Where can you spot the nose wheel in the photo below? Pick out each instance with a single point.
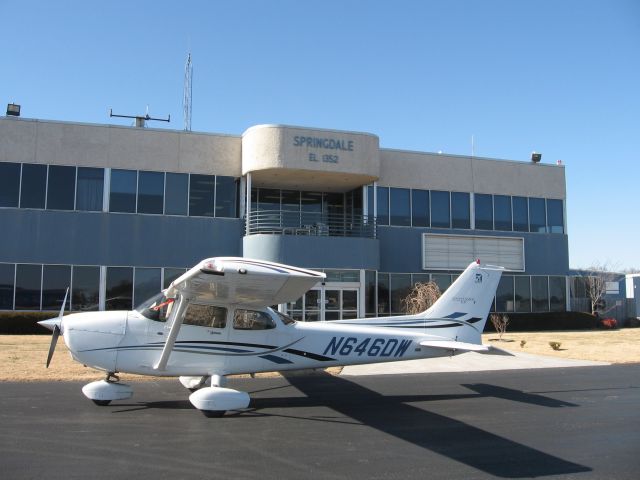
(103, 392)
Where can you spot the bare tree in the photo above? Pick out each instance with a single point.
(595, 281)
(500, 323)
(421, 297)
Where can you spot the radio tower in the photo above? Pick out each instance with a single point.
(186, 99)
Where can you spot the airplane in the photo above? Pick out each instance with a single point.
(215, 320)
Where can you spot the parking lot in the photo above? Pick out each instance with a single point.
(567, 422)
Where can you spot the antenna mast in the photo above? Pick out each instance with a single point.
(186, 99)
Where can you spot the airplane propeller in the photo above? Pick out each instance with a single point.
(55, 324)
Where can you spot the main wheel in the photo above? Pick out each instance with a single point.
(213, 413)
(101, 403)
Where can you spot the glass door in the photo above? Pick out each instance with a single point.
(325, 303)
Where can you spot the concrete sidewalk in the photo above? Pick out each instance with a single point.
(468, 362)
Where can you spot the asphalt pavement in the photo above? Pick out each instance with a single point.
(562, 423)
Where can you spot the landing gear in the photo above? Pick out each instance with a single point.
(104, 391)
(215, 400)
(194, 383)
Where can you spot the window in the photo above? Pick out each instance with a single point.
(9, 185)
(146, 285)
(420, 208)
(383, 294)
(205, 316)
(286, 319)
(370, 192)
(557, 294)
(7, 276)
(442, 280)
(484, 211)
(150, 192)
(55, 281)
(170, 274)
(34, 186)
(540, 294)
(440, 209)
(28, 283)
(62, 188)
(504, 295)
(555, 216)
(201, 195)
(90, 188)
(252, 320)
(123, 191)
(399, 206)
(400, 286)
(226, 196)
(502, 212)
(370, 293)
(157, 308)
(85, 292)
(460, 211)
(119, 291)
(383, 205)
(176, 194)
(520, 214)
(537, 215)
(523, 294)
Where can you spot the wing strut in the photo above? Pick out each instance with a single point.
(173, 333)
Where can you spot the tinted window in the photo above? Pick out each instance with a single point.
(226, 196)
(370, 192)
(150, 192)
(399, 206)
(55, 281)
(123, 191)
(119, 291)
(176, 194)
(502, 211)
(460, 211)
(252, 320)
(484, 211)
(147, 284)
(420, 208)
(290, 200)
(90, 188)
(9, 184)
(311, 201)
(557, 294)
(540, 294)
(205, 316)
(537, 215)
(201, 193)
(383, 293)
(383, 205)
(520, 214)
(7, 272)
(400, 284)
(86, 288)
(28, 278)
(523, 294)
(170, 274)
(443, 281)
(440, 213)
(370, 292)
(504, 295)
(555, 216)
(34, 185)
(62, 188)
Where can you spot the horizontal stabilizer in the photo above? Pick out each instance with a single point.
(453, 345)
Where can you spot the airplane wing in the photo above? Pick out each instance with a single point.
(244, 281)
(453, 345)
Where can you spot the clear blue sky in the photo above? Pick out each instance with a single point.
(558, 77)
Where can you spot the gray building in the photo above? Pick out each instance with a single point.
(118, 212)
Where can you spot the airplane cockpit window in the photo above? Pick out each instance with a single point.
(205, 316)
(252, 320)
(157, 308)
(286, 319)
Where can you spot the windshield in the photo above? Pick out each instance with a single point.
(156, 308)
(286, 319)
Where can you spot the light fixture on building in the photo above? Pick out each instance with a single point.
(13, 110)
(536, 157)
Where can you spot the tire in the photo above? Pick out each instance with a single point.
(101, 403)
(213, 413)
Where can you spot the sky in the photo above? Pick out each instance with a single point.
(558, 77)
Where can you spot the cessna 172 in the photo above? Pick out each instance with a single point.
(215, 321)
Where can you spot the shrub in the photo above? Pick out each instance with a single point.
(24, 323)
(555, 345)
(532, 322)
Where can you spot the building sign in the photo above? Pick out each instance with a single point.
(334, 144)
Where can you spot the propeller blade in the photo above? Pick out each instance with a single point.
(54, 340)
(64, 302)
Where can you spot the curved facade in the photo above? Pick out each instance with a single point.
(118, 212)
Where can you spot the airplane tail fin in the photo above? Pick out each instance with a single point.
(467, 301)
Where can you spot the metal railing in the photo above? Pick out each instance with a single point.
(310, 223)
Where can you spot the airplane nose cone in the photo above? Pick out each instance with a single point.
(51, 323)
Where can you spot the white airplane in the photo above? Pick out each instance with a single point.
(215, 321)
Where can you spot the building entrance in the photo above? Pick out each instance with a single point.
(326, 302)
